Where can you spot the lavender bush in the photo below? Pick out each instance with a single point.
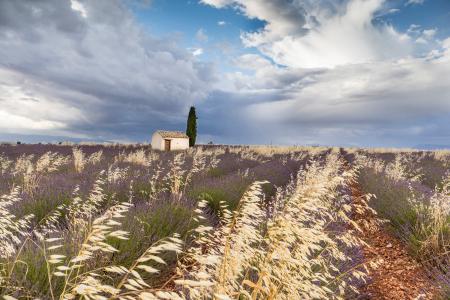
(127, 222)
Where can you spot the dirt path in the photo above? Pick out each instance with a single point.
(393, 274)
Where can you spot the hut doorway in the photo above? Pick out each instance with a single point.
(167, 145)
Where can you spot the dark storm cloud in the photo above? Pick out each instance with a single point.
(87, 70)
(381, 103)
(26, 18)
(98, 61)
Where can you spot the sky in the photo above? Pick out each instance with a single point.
(290, 72)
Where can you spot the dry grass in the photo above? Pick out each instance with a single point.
(418, 214)
(298, 252)
(292, 241)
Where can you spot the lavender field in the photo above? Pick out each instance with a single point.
(214, 222)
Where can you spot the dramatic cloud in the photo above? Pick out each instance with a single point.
(315, 72)
(369, 104)
(343, 79)
(322, 33)
(364, 94)
(91, 70)
(282, 17)
(29, 107)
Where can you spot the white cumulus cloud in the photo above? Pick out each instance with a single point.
(339, 77)
(322, 33)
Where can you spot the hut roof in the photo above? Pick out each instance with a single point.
(172, 134)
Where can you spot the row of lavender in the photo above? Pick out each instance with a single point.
(413, 194)
(48, 189)
(219, 223)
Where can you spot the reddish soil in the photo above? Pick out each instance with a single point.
(393, 273)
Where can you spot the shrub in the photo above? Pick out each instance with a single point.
(126, 223)
(417, 214)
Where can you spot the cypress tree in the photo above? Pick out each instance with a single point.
(191, 129)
